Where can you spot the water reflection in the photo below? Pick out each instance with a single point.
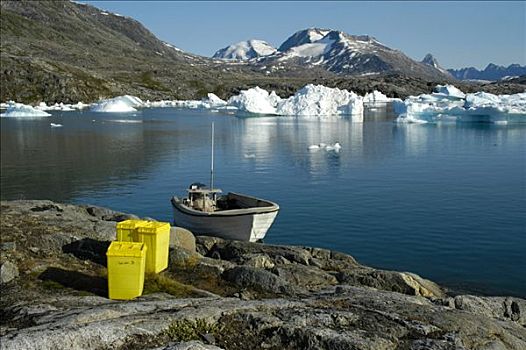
(417, 193)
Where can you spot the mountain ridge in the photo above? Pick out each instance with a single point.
(492, 72)
(345, 54)
(62, 51)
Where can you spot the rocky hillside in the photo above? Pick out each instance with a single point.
(62, 51)
(219, 294)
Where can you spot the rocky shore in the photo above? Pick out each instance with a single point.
(219, 294)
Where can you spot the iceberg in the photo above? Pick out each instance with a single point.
(448, 105)
(120, 104)
(319, 100)
(255, 100)
(449, 91)
(56, 107)
(375, 98)
(21, 110)
(212, 101)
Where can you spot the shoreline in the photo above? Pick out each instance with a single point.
(215, 290)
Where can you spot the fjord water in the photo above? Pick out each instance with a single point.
(446, 201)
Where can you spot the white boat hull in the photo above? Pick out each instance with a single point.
(249, 224)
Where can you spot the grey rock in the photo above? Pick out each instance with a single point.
(259, 261)
(213, 267)
(204, 244)
(108, 214)
(366, 309)
(401, 282)
(257, 279)
(180, 237)
(304, 276)
(504, 308)
(8, 272)
(238, 251)
(182, 258)
(190, 345)
(8, 246)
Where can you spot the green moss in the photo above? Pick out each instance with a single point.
(186, 330)
(52, 285)
(156, 283)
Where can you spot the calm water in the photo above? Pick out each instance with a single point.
(445, 201)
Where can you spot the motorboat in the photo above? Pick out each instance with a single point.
(232, 216)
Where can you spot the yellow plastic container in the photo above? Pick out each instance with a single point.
(126, 266)
(127, 230)
(156, 236)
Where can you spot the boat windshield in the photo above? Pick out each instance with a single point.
(203, 199)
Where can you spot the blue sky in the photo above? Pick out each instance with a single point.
(458, 34)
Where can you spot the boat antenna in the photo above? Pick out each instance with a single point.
(212, 165)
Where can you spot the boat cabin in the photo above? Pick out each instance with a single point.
(202, 198)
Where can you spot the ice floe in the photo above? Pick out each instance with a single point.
(450, 104)
(120, 104)
(21, 110)
(54, 125)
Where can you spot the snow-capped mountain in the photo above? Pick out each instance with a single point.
(343, 54)
(306, 36)
(430, 60)
(491, 72)
(246, 50)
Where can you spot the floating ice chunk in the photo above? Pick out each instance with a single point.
(120, 104)
(212, 101)
(255, 100)
(477, 107)
(375, 98)
(336, 147)
(331, 147)
(22, 110)
(126, 121)
(449, 91)
(80, 105)
(250, 155)
(318, 100)
(53, 125)
(486, 107)
(131, 100)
